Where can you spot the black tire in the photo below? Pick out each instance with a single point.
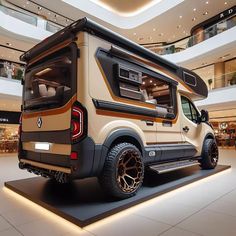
(210, 154)
(123, 171)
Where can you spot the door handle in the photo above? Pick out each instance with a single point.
(149, 122)
(186, 129)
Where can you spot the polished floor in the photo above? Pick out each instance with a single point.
(207, 207)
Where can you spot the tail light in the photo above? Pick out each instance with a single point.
(78, 123)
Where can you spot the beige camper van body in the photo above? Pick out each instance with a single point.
(88, 101)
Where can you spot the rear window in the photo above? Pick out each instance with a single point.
(49, 84)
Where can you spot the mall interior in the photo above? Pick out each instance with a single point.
(199, 35)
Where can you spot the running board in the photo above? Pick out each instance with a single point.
(167, 167)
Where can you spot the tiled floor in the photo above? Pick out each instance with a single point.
(207, 207)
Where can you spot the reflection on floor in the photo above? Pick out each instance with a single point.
(207, 207)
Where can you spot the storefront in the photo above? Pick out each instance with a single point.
(9, 124)
(213, 26)
(225, 133)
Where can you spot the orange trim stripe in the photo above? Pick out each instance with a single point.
(55, 111)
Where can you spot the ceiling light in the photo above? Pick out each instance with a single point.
(161, 34)
(180, 17)
(24, 6)
(194, 18)
(49, 13)
(155, 84)
(207, 2)
(226, 3)
(134, 34)
(67, 20)
(184, 32)
(194, 9)
(8, 44)
(178, 26)
(154, 29)
(27, 2)
(150, 81)
(143, 82)
(205, 13)
(39, 8)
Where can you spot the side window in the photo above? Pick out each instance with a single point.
(137, 85)
(189, 109)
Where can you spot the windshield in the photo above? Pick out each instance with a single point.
(48, 85)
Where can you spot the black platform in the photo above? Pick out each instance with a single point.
(82, 202)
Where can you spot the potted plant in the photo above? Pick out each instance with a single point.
(210, 83)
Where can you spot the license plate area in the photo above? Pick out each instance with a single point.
(42, 146)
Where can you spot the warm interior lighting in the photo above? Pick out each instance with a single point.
(43, 71)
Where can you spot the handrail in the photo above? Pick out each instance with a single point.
(190, 41)
(224, 80)
(30, 18)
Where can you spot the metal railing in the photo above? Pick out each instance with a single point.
(225, 80)
(195, 39)
(31, 19)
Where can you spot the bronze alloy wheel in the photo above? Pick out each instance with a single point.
(213, 153)
(129, 171)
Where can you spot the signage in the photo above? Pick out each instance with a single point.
(227, 13)
(9, 117)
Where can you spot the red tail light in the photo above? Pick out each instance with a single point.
(77, 123)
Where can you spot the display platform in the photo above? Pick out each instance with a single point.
(82, 202)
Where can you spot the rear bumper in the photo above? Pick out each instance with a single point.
(89, 162)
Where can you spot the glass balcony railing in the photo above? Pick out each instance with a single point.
(11, 70)
(225, 80)
(195, 39)
(31, 19)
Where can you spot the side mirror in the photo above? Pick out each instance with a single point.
(204, 116)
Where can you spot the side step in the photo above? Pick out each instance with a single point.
(167, 167)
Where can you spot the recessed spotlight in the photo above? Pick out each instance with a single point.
(161, 34)
(226, 3)
(173, 36)
(27, 2)
(39, 8)
(24, 6)
(8, 44)
(180, 17)
(143, 82)
(49, 13)
(194, 18)
(155, 84)
(184, 32)
(134, 33)
(205, 13)
(154, 29)
(67, 20)
(178, 26)
(150, 81)
(207, 2)
(150, 37)
(194, 9)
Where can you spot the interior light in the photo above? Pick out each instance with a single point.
(161, 34)
(194, 18)
(180, 17)
(150, 81)
(8, 44)
(226, 3)
(134, 33)
(43, 71)
(205, 13)
(154, 29)
(194, 9)
(178, 26)
(27, 2)
(39, 8)
(207, 2)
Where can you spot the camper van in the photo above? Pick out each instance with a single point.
(96, 104)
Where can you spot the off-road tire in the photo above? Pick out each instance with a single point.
(123, 171)
(210, 154)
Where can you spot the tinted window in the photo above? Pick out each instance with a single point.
(189, 109)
